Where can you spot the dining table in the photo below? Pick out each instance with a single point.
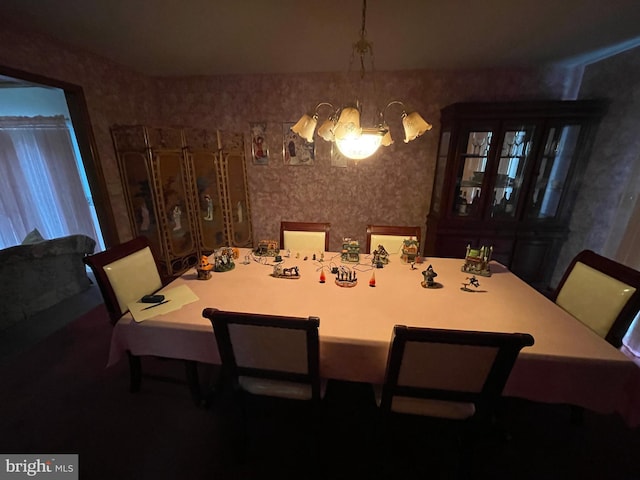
(568, 363)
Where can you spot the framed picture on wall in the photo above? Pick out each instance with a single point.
(259, 145)
(296, 150)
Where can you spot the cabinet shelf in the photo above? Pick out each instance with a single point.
(520, 203)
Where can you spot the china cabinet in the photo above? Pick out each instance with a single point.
(506, 176)
(185, 190)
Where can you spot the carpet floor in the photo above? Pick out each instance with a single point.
(59, 397)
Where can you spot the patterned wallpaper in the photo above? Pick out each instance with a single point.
(393, 187)
(603, 208)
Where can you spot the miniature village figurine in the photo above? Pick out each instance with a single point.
(476, 261)
(380, 257)
(346, 277)
(471, 281)
(267, 248)
(223, 260)
(204, 269)
(350, 251)
(291, 273)
(429, 274)
(410, 250)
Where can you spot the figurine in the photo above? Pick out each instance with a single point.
(290, 273)
(350, 251)
(429, 274)
(410, 247)
(204, 269)
(267, 248)
(380, 257)
(476, 261)
(346, 277)
(223, 260)
(471, 281)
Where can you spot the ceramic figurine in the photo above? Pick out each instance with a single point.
(266, 248)
(350, 251)
(380, 257)
(410, 248)
(291, 273)
(429, 274)
(476, 261)
(346, 277)
(223, 260)
(471, 281)
(204, 269)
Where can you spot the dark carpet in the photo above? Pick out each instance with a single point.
(58, 397)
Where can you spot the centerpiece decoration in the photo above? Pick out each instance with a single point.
(346, 277)
(291, 273)
(410, 250)
(223, 259)
(204, 269)
(350, 251)
(267, 248)
(380, 257)
(476, 261)
(429, 274)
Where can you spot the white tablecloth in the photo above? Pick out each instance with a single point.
(568, 363)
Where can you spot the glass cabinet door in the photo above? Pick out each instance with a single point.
(560, 143)
(512, 159)
(471, 173)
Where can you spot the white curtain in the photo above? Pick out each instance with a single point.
(40, 186)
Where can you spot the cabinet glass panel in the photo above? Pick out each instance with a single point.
(440, 170)
(473, 165)
(559, 148)
(513, 156)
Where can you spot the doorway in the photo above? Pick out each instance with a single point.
(28, 95)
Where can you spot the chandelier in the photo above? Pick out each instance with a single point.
(343, 126)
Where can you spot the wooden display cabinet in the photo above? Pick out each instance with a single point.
(507, 176)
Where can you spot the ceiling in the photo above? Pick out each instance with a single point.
(211, 37)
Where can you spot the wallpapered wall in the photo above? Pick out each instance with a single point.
(394, 187)
(603, 208)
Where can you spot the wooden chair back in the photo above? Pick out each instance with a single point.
(601, 293)
(390, 236)
(125, 273)
(451, 374)
(269, 355)
(306, 237)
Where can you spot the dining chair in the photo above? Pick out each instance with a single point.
(452, 375)
(304, 236)
(601, 293)
(125, 273)
(269, 356)
(390, 236)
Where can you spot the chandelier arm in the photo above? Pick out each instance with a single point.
(322, 104)
(343, 126)
(393, 102)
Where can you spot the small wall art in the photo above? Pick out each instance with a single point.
(259, 145)
(296, 150)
